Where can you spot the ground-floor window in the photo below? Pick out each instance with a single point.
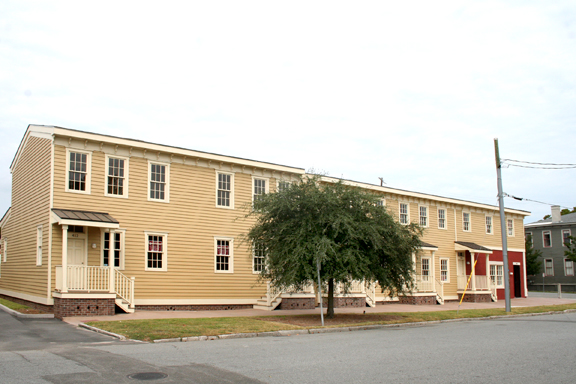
(258, 254)
(548, 267)
(568, 267)
(444, 272)
(224, 253)
(156, 251)
(497, 274)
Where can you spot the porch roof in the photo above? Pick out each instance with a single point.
(472, 247)
(84, 218)
(428, 246)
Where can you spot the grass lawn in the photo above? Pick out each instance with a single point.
(13, 305)
(149, 330)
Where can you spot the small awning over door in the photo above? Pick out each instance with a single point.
(428, 246)
(84, 218)
(471, 247)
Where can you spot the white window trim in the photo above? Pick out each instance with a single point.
(231, 190)
(122, 248)
(383, 201)
(543, 242)
(429, 267)
(126, 173)
(496, 263)
(562, 234)
(447, 270)
(531, 237)
(508, 228)
(167, 182)
(5, 250)
(231, 260)
(266, 189)
(565, 260)
(254, 272)
(407, 212)
(88, 171)
(552, 263)
(445, 227)
(164, 251)
(469, 222)
(39, 246)
(278, 181)
(491, 224)
(427, 216)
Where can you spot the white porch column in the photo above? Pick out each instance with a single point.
(488, 269)
(472, 271)
(111, 260)
(64, 258)
(433, 253)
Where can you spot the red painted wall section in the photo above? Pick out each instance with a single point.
(513, 257)
(480, 265)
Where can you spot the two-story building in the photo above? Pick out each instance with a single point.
(98, 221)
(549, 236)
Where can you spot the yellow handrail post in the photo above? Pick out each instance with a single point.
(468, 282)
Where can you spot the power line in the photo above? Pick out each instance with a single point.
(533, 201)
(537, 165)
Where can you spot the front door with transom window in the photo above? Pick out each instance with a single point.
(76, 246)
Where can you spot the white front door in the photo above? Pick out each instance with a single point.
(76, 251)
(461, 266)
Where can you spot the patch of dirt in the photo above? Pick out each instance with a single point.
(339, 319)
(31, 311)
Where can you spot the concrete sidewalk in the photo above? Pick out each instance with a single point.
(451, 306)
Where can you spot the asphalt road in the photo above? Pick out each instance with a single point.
(518, 350)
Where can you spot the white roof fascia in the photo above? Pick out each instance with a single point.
(5, 218)
(44, 132)
(422, 195)
(168, 149)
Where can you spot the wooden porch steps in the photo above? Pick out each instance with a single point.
(124, 305)
(263, 304)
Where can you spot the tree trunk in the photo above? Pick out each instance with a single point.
(330, 312)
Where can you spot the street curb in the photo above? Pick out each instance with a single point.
(296, 332)
(27, 315)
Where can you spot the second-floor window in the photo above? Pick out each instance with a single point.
(283, 185)
(489, 225)
(78, 173)
(442, 219)
(404, 216)
(159, 178)
(424, 216)
(547, 239)
(466, 221)
(116, 173)
(565, 236)
(259, 188)
(510, 226)
(224, 192)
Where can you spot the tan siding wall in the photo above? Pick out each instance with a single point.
(191, 221)
(30, 208)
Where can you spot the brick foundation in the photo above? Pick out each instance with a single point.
(475, 298)
(83, 307)
(347, 302)
(417, 300)
(193, 307)
(298, 303)
(31, 304)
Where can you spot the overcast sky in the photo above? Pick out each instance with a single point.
(414, 92)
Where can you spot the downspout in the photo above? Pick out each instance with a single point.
(50, 234)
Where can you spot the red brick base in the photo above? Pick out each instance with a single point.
(193, 307)
(476, 298)
(417, 300)
(347, 302)
(83, 307)
(31, 304)
(298, 303)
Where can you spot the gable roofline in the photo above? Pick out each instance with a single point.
(567, 219)
(5, 218)
(420, 195)
(98, 137)
(35, 131)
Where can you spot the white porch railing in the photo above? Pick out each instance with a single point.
(96, 279)
(481, 283)
(423, 283)
(439, 288)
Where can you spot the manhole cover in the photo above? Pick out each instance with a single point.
(148, 376)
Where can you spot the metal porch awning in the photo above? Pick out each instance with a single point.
(471, 247)
(84, 218)
(427, 246)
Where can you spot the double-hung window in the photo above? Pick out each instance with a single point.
(381, 202)
(425, 269)
(565, 236)
(404, 213)
(258, 257)
(529, 238)
(117, 176)
(466, 227)
(39, 245)
(224, 190)
(224, 253)
(444, 272)
(489, 228)
(156, 251)
(497, 274)
(78, 171)
(259, 187)
(423, 216)
(116, 259)
(548, 267)
(283, 185)
(547, 239)
(510, 226)
(568, 267)
(441, 218)
(158, 182)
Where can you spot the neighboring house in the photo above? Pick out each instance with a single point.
(98, 221)
(549, 236)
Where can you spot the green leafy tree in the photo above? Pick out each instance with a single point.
(533, 263)
(340, 227)
(571, 251)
